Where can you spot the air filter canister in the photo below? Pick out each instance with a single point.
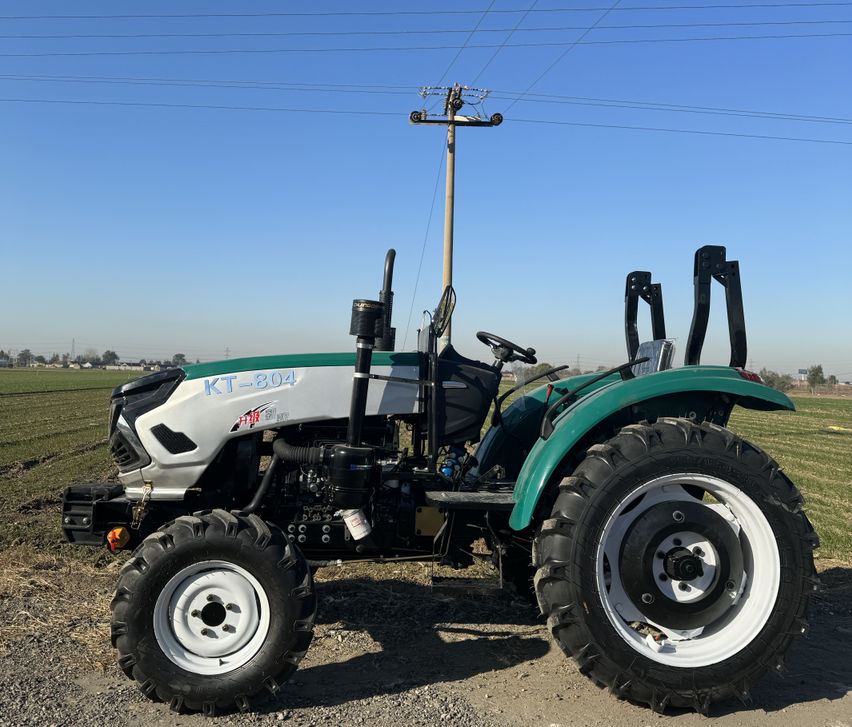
(367, 318)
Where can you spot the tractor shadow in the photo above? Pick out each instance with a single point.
(385, 637)
(379, 637)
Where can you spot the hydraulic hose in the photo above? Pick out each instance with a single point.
(302, 455)
(264, 486)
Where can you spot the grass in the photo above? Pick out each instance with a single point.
(52, 435)
(814, 448)
(51, 440)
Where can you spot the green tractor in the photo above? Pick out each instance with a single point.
(671, 559)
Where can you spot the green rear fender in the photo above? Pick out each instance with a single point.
(706, 392)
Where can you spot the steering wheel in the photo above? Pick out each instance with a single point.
(506, 350)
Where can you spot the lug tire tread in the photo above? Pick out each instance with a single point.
(564, 539)
(199, 536)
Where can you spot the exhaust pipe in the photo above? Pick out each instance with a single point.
(388, 337)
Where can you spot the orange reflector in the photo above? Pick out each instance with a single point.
(118, 537)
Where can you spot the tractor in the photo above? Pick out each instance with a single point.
(671, 559)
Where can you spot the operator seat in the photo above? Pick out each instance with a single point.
(465, 390)
(660, 354)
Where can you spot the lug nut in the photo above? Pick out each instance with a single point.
(677, 541)
(647, 598)
(731, 586)
(209, 596)
(678, 516)
(204, 632)
(661, 554)
(697, 551)
(229, 606)
(195, 613)
(663, 577)
(225, 627)
(683, 587)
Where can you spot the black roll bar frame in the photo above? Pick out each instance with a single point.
(711, 264)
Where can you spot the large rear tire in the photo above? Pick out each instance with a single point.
(677, 565)
(213, 610)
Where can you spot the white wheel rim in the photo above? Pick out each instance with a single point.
(212, 617)
(753, 604)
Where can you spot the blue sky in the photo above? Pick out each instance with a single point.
(135, 223)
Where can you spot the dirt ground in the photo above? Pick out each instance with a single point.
(385, 652)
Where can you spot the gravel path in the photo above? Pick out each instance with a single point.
(386, 652)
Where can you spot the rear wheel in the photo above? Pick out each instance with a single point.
(676, 567)
(213, 610)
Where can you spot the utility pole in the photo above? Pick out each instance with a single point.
(453, 102)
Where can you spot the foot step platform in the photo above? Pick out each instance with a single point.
(466, 586)
(500, 500)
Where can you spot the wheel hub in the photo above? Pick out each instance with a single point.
(678, 562)
(211, 617)
(681, 564)
(213, 614)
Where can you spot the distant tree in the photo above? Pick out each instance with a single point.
(815, 377)
(54, 358)
(66, 357)
(92, 356)
(178, 359)
(5, 357)
(198, 360)
(602, 368)
(774, 380)
(832, 380)
(568, 373)
(40, 359)
(25, 357)
(110, 358)
(143, 362)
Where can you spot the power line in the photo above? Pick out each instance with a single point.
(216, 83)
(406, 90)
(413, 12)
(647, 106)
(417, 48)
(467, 40)
(247, 85)
(683, 131)
(423, 251)
(200, 106)
(314, 33)
(567, 50)
(396, 114)
(505, 40)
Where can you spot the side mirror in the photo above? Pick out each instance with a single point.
(442, 314)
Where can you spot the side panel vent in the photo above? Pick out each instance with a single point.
(175, 442)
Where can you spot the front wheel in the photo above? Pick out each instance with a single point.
(677, 564)
(213, 610)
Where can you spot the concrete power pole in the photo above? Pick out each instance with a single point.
(453, 101)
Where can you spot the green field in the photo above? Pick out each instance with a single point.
(53, 434)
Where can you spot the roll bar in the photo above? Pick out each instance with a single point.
(710, 264)
(639, 285)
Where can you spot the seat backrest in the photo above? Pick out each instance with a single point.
(660, 354)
